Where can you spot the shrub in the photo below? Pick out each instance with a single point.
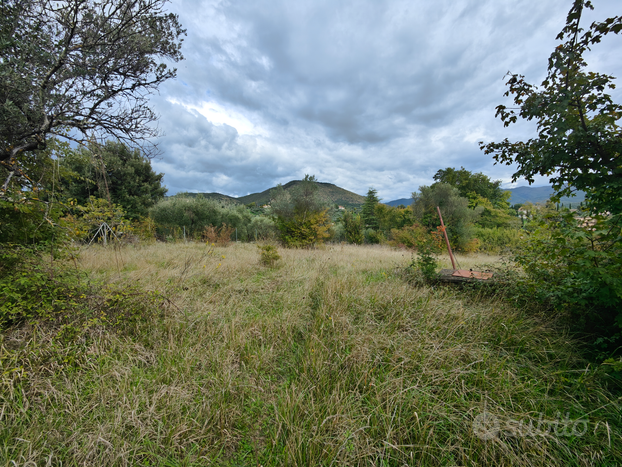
(179, 213)
(219, 236)
(303, 232)
(352, 227)
(457, 216)
(426, 263)
(577, 269)
(472, 246)
(262, 228)
(29, 217)
(91, 220)
(34, 289)
(300, 214)
(144, 229)
(268, 255)
(374, 237)
(337, 233)
(496, 240)
(410, 236)
(423, 268)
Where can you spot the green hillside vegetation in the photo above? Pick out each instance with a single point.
(214, 196)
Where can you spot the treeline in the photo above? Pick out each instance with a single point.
(103, 192)
(473, 206)
(476, 211)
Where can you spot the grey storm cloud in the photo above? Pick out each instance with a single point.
(365, 93)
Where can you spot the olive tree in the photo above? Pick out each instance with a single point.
(80, 69)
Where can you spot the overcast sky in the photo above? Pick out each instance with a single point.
(359, 93)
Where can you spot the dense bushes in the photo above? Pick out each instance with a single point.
(34, 288)
(262, 228)
(353, 227)
(575, 266)
(90, 221)
(193, 214)
(304, 231)
(497, 239)
(412, 237)
(457, 215)
(29, 218)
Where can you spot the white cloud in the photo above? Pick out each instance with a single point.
(221, 115)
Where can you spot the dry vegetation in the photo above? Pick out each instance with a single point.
(329, 358)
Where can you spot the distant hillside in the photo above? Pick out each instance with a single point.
(523, 194)
(539, 194)
(396, 202)
(332, 193)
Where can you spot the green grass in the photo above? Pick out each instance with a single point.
(329, 358)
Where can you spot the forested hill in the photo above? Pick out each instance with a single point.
(332, 193)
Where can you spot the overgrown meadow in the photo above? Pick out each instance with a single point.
(194, 354)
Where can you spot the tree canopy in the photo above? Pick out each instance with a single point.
(572, 264)
(194, 214)
(115, 172)
(473, 185)
(78, 68)
(300, 213)
(579, 141)
(368, 211)
(458, 218)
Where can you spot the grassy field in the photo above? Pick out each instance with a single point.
(330, 358)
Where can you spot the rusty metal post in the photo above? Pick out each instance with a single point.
(451, 255)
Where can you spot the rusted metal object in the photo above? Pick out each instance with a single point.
(463, 275)
(470, 274)
(451, 256)
(455, 274)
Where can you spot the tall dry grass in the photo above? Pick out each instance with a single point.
(330, 358)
